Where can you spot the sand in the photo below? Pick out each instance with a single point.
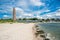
(16, 31)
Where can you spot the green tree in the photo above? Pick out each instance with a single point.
(24, 19)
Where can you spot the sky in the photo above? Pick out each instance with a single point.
(30, 8)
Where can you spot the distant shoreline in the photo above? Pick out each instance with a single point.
(27, 22)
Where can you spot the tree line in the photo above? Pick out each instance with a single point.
(40, 20)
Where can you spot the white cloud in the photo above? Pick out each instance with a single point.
(3, 11)
(39, 17)
(57, 13)
(19, 10)
(22, 13)
(6, 9)
(36, 2)
(49, 15)
(27, 14)
(22, 4)
(58, 9)
(36, 12)
(47, 10)
(52, 14)
(19, 17)
(5, 16)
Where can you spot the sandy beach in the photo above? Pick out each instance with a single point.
(16, 31)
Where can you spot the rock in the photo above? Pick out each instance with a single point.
(40, 32)
(46, 39)
(43, 36)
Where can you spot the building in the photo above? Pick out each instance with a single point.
(14, 14)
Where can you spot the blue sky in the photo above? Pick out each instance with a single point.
(30, 8)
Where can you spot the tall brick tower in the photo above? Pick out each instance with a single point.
(14, 14)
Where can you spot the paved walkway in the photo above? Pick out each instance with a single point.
(16, 31)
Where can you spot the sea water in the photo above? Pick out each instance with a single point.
(51, 28)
